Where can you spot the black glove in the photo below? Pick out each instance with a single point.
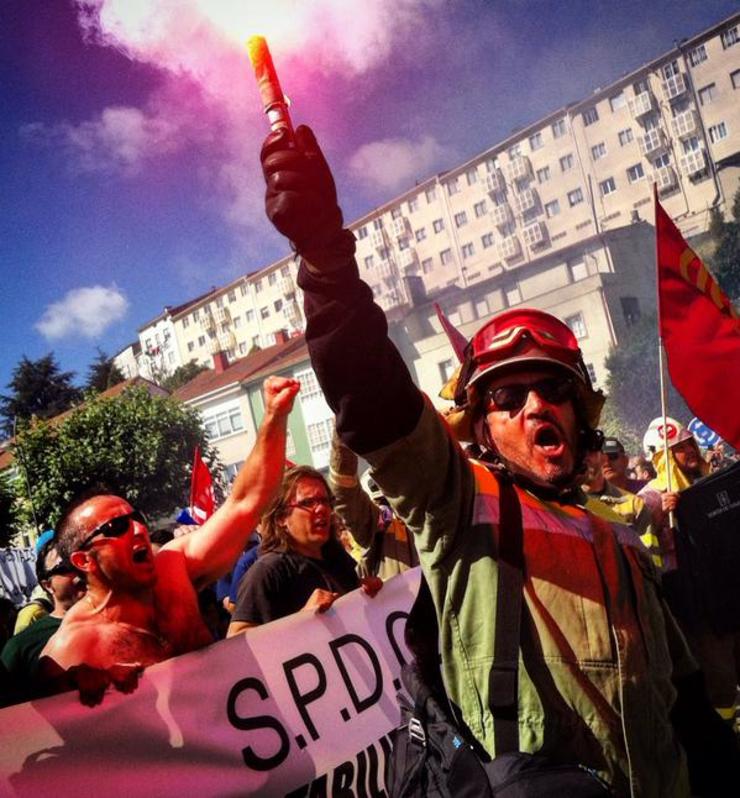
(301, 198)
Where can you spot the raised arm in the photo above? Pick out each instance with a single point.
(212, 550)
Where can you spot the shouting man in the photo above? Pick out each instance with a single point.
(141, 608)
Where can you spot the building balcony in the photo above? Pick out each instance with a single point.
(518, 168)
(377, 239)
(641, 104)
(386, 269)
(693, 163)
(653, 142)
(206, 321)
(226, 341)
(535, 235)
(287, 287)
(400, 227)
(665, 178)
(510, 247)
(408, 258)
(501, 214)
(292, 313)
(223, 315)
(525, 200)
(494, 182)
(685, 124)
(674, 86)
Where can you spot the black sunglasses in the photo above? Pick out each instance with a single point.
(554, 390)
(310, 504)
(114, 528)
(60, 569)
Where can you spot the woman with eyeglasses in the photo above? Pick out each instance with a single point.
(302, 564)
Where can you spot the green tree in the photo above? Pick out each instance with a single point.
(103, 373)
(38, 388)
(10, 515)
(139, 446)
(716, 225)
(725, 262)
(182, 374)
(633, 387)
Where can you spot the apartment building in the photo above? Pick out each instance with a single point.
(549, 189)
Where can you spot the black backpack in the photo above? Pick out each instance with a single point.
(435, 756)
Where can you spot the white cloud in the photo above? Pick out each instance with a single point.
(392, 163)
(119, 139)
(83, 311)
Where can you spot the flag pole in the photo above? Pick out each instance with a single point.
(661, 361)
(192, 479)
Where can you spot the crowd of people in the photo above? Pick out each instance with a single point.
(610, 674)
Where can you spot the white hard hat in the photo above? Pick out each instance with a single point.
(661, 430)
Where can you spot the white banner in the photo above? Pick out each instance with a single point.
(300, 707)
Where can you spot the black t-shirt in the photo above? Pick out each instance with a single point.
(280, 583)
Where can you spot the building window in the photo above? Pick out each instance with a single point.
(201, 340)
(481, 308)
(453, 186)
(285, 271)
(598, 151)
(730, 37)
(735, 79)
(630, 309)
(635, 173)
(670, 70)
(383, 253)
(536, 142)
(567, 162)
(265, 313)
(487, 240)
(185, 323)
(559, 128)
(717, 132)
(319, 435)
(591, 373)
(691, 145)
(438, 225)
(577, 325)
(431, 193)
(427, 265)
(224, 327)
(309, 384)
(403, 243)
(446, 370)
(707, 94)
(589, 116)
(445, 256)
(191, 346)
(278, 305)
(480, 209)
(577, 270)
(369, 262)
(472, 176)
(232, 296)
(271, 278)
(641, 86)
(226, 422)
(396, 213)
(249, 316)
(255, 342)
(237, 321)
(625, 136)
(196, 315)
(220, 302)
(575, 197)
(257, 286)
(543, 175)
(461, 219)
(697, 55)
(662, 160)
(617, 101)
(413, 204)
(420, 234)
(243, 348)
(607, 186)
(378, 224)
(552, 209)
(243, 289)
(361, 232)
(468, 250)
(514, 151)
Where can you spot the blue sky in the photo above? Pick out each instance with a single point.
(130, 131)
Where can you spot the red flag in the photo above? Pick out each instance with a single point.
(202, 503)
(457, 340)
(700, 330)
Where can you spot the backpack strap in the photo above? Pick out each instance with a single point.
(503, 684)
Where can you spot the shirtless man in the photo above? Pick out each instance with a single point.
(141, 608)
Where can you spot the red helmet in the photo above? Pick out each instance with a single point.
(526, 336)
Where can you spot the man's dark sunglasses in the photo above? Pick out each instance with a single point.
(60, 569)
(114, 528)
(554, 390)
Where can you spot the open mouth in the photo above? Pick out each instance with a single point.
(141, 555)
(548, 438)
